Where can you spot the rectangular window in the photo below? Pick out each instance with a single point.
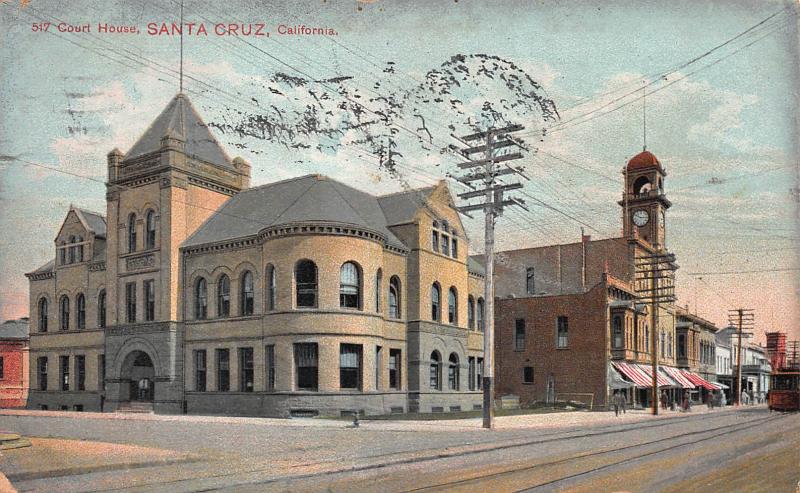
(527, 374)
(101, 371)
(150, 300)
(270, 354)
(454, 248)
(130, 302)
(471, 361)
(64, 367)
(200, 370)
(479, 376)
(350, 366)
(435, 241)
(80, 371)
(378, 366)
(41, 369)
(2, 368)
(519, 334)
(562, 332)
(223, 370)
(306, 369)
(245, 369)
(394, 369)
(445, 245)
(530, 285)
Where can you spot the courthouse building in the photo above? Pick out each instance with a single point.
(196, 293)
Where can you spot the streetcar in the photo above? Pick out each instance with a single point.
(784, 391)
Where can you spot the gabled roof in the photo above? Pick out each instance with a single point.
(15, 329)
(179, 119)
(400, 208)
(48, 267)
(307, 199)
(93, 221)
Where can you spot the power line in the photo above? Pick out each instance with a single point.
(737, 272)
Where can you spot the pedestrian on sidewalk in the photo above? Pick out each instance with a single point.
(615, 401)
(663, 399)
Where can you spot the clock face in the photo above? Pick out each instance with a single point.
(641, 217)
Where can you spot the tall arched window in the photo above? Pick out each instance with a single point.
(80, 311)
(247, 294)
(201, 299)
(378, 290)
(435, 302)
(42, 314)
(436, 371)
(132, 233)
(79, 248)
(349, 286)
(470, 312)
(272, 288)
(452, 306)
(617, 331)
(101, 309)
(64, 312)
(479, 315)
(305, 278)
(223, 296)
(452, 372)
(150, 229)
(71, 249)
(394, 297)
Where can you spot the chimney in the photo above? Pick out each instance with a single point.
(114, 159)
(244, 171)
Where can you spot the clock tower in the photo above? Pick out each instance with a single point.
(644, 203)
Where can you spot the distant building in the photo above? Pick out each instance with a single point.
(756, 367)
(14, 363)
(197, 293)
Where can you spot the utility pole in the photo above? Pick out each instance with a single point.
(745, 319)
(655, 279)
(486, 170)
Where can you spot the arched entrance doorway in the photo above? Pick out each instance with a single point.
(139, 373)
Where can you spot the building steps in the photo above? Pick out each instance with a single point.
(135, 407)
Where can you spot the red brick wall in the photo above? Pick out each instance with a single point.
(581, 367)
(13, 386)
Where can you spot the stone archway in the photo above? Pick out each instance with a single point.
(137, 375)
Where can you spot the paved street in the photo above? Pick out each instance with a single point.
(723, 450)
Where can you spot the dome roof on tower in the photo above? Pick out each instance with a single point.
(643, 160)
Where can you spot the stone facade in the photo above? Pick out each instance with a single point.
(190, 293)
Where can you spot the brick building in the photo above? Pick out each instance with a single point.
(197, 293)
(568, 322)
(14, 363)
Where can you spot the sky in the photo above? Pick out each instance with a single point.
(364, 106)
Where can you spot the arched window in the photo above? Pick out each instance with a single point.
(642, 185)
(479, 316)
(394, 297)
(223, 297)
(201, 299)
(79, 248)
(272, 288)
(452, 306)
(64, 312)
(247, 294)
(80, 311)
(101, 309)
(470, 312)
(150, 229)
(436, 371)
(378, 290)
(305, 278)
(452, 372)
(132, 233)
(435, 302)
(349, 286)
(617, 331)
(71, 249)
(42, 314)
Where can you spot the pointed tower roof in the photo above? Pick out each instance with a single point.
(180, 120)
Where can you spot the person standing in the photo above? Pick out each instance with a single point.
(615, 402)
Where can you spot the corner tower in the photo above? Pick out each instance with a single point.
(170, 181)
(644, 203)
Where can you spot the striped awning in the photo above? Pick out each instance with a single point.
(663, 381)
(678, 377)
(633, 373)
(700, 381)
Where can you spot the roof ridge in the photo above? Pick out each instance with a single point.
(339, 193)
(286, 180)
(431, 187)
(300, 195)
(89, 211)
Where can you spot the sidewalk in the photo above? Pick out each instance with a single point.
(524, 421)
